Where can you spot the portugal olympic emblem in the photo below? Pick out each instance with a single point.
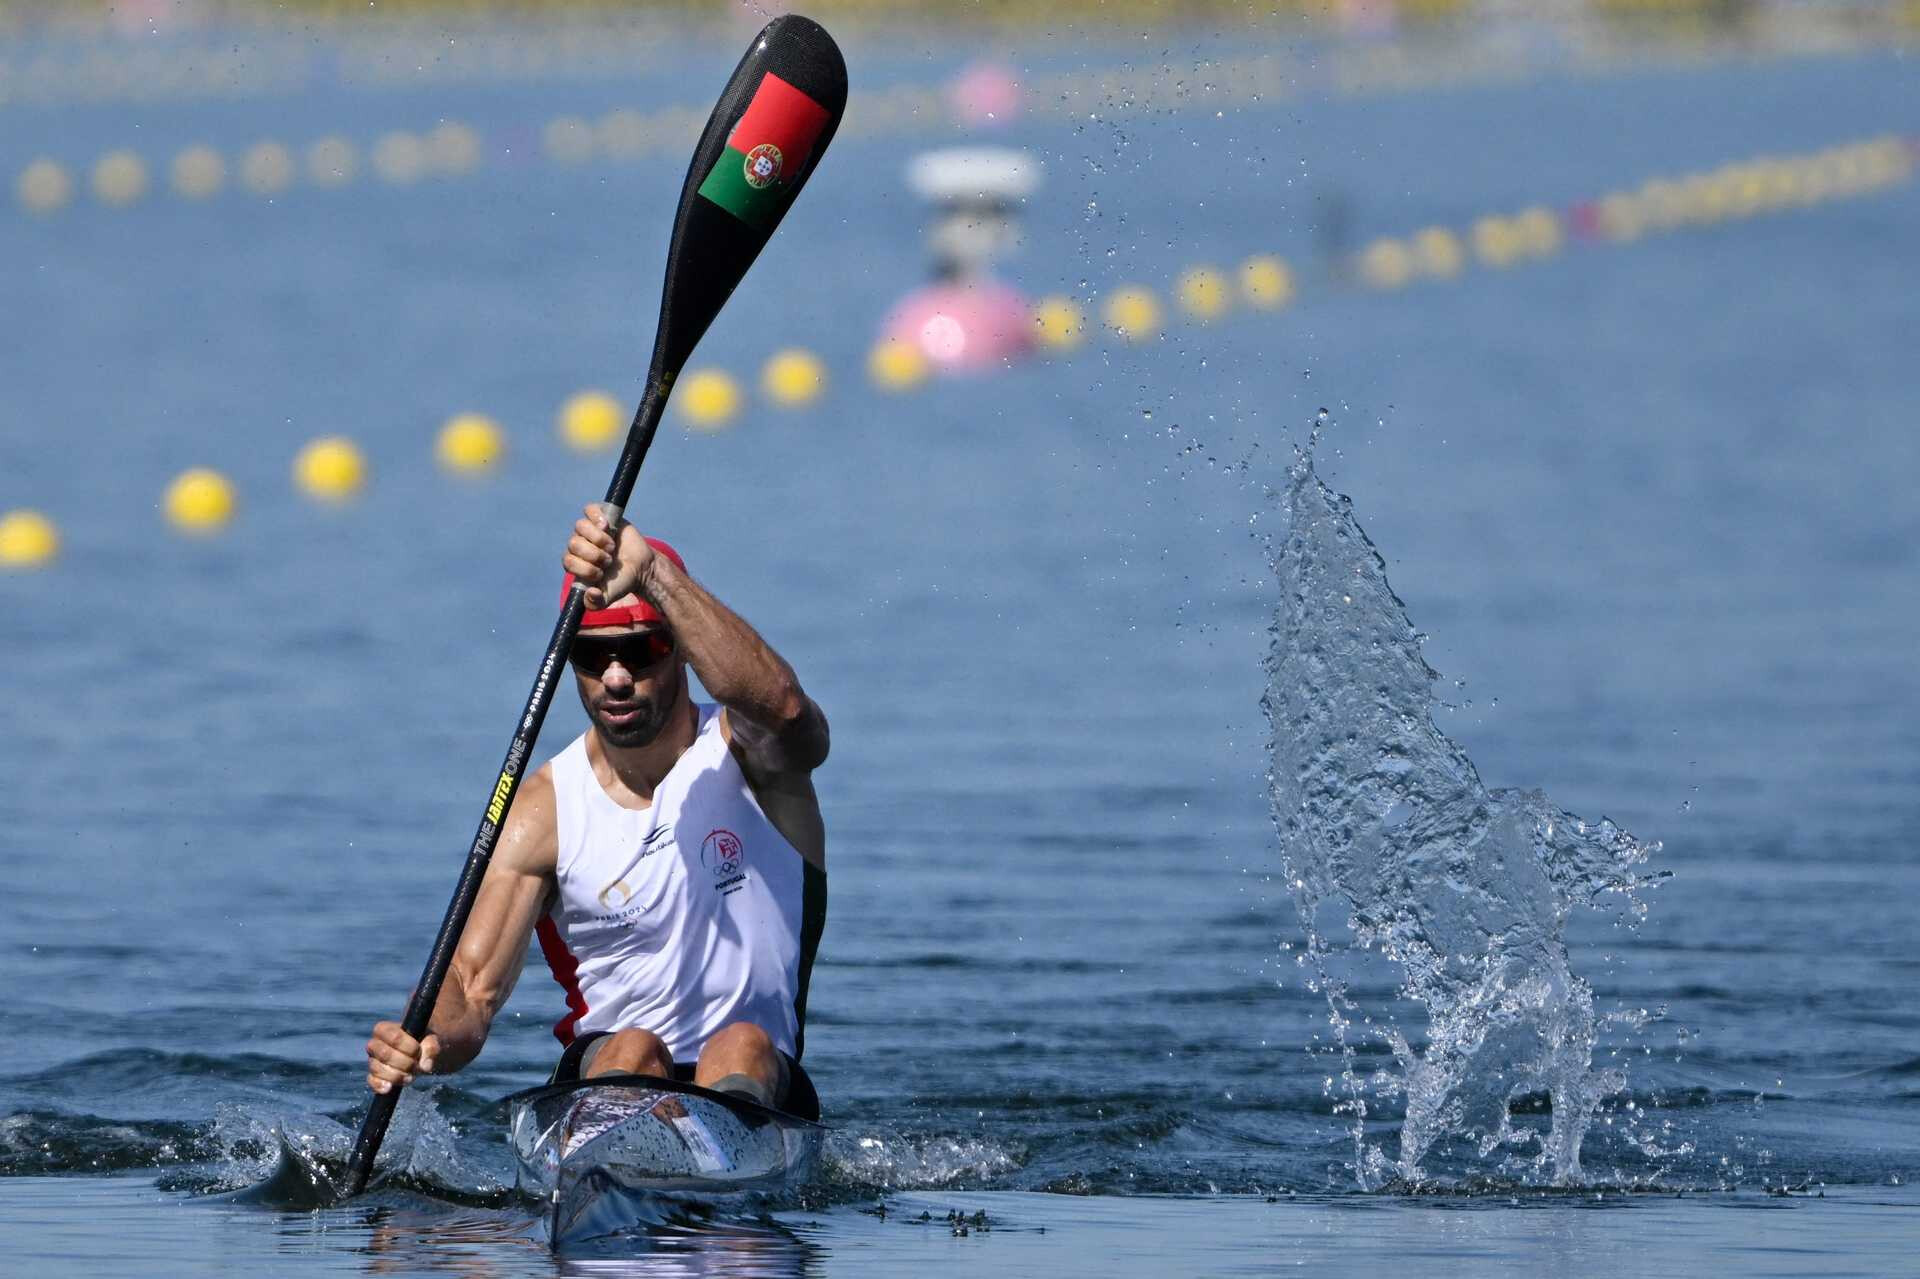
(721, 853)
(763, 165)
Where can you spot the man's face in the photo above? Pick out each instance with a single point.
(629, 682)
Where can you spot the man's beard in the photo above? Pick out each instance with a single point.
(651, 715)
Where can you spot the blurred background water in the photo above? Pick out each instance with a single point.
(1644, 483)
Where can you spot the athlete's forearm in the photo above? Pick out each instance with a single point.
(734, 664)
(460, 1024)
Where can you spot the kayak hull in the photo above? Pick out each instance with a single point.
(620, 1153)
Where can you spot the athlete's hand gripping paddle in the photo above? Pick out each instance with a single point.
(763, 141)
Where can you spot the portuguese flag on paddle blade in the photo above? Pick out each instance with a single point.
(753, 178)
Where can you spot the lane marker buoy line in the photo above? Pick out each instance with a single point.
(123, 178)
(332, 471)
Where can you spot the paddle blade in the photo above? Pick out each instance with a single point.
(764, 140)
(301, 1179)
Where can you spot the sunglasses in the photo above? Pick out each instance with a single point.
(636, 652)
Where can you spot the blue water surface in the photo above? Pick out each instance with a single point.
(1652, 503)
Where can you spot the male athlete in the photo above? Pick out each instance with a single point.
(672, 859)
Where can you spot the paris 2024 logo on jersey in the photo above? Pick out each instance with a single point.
(722, 853)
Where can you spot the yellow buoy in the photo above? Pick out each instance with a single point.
(330, 468)
(453, 147)
(28, 539)
(1745, 189)
(266, 168)
(1538, 230)
(1438, 252)
(895, 365)
(708, 399)
(1058, 324)
(199, 501)
(400, 157)
(1386, 264)
(1704, 199)
(198, 172)
(1861, 167)
(793, 377)
(1497, 241)
(470, 443)
(1777, 183)
(1662, 204)
(1896, 160)
(120, 178)
(1204, 294)
(43, 187)
(1133, 313)
(1622, 216)
(590, 421)
(1812, 179)
(1265, 282)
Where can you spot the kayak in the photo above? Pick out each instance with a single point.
(620, 1152)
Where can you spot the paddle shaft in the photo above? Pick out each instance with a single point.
(373, 1129)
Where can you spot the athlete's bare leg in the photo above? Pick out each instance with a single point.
(741, 1057)
(629, 1052)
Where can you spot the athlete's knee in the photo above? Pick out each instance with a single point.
(739, 1039)
(739, 1046)
(630, 1052)
(740, 1058)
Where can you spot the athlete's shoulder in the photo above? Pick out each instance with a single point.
(530, 839)
(541, 780)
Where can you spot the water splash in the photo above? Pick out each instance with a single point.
(884, 1159)
(288, 1157)
(1466, 890)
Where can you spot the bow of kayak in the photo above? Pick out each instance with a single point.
(616, 1152)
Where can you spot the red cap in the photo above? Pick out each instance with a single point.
(626, 614)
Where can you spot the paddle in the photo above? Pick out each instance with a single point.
(764, 139)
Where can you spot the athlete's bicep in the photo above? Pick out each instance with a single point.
(797, 747)
(513, 895)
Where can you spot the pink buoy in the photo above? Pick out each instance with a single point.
(964, 324)
(1584, 219)
(984, 95)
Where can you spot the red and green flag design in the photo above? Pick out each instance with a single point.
(766, 152)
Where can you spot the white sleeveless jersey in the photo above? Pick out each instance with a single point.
(681, 917)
